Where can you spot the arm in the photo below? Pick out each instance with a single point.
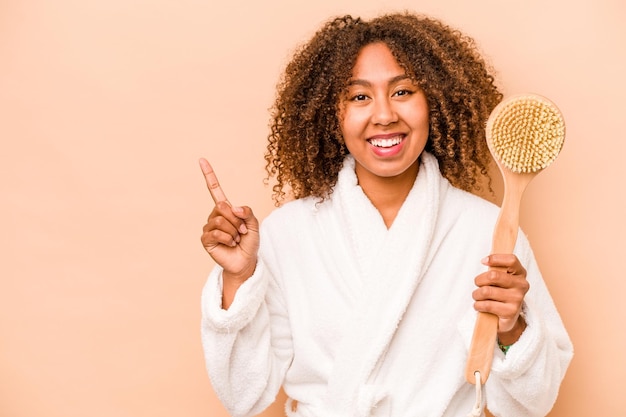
(245, 330)
(248, 347)
(525, 381)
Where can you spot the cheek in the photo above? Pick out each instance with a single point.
(352, 121)
(420, 117)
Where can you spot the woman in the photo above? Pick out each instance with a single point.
(357, 295)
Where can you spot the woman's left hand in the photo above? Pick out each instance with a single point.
(501, 291)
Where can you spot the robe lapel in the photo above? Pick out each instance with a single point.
(391, 264)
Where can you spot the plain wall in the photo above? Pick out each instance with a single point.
(105, 107)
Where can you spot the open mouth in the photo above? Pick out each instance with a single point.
(386, 143)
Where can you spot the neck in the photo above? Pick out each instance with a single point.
(387, 194)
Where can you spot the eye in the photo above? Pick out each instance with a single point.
(359, 97)
(403, 92)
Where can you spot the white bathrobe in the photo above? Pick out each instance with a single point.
(356, 320)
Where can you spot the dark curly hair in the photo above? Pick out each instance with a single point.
(306, 151)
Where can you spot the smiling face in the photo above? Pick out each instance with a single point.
(384, 118)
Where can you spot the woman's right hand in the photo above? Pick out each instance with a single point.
(231, 234)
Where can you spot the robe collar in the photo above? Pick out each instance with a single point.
(391, 263)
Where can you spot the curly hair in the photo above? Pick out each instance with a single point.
(306, 150)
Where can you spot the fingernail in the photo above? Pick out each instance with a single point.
(238, 239)
(243, 229)
(238, 210)
(485, 260)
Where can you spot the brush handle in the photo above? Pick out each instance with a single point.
(507, 225)
(482, 347)
(504, 237)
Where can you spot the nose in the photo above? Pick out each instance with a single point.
(384, 112)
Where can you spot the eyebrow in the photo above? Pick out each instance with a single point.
(366, 83)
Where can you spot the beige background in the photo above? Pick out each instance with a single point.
(105, 107)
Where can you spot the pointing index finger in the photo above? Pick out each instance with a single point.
(212, 183)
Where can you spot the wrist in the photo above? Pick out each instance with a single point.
(506, 339)
(231, 283)
(239, 277)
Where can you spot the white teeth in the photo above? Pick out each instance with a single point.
(386, 143)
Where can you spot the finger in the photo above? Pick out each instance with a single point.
(222, 224)
(507, 261)
(502, 279)
(250, 222)
(211, 182)
(494, 278)
(235, 215)
(502, 295)
(500, 309)
(212, 238)
(497, 277)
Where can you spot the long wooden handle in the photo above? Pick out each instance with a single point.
(482, 347)
(483, 343)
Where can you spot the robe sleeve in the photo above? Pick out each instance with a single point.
(525, 381)
(248, 347)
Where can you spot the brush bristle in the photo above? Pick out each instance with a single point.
(526, 133)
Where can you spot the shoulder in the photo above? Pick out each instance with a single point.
(290, 231)
(292, 214)
(466, 204)
(294, 208)
(478, 217)
(467, 217)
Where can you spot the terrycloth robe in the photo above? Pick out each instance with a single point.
(358, 320)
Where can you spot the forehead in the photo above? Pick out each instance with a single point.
(375, 61)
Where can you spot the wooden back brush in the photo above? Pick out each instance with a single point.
(525, 134)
